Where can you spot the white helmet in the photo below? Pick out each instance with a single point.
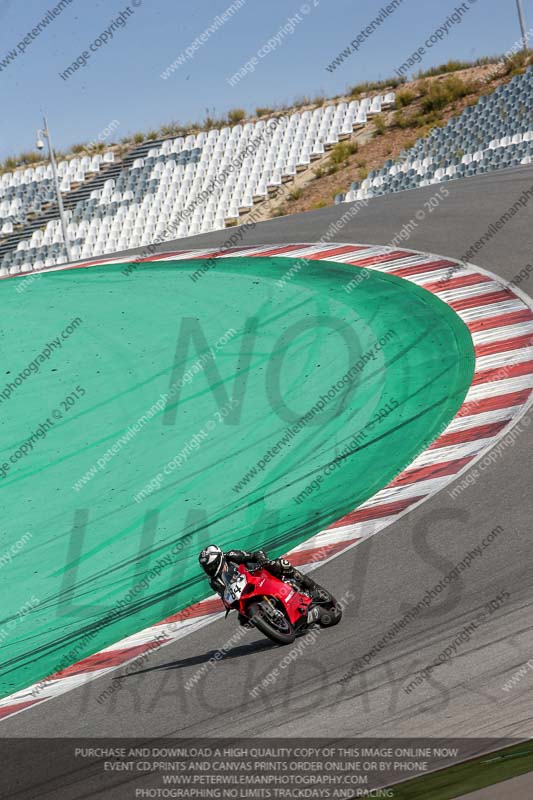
(211, 560)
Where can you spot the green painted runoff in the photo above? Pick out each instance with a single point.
(145, 415)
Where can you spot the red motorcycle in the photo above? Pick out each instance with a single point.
(275, 606)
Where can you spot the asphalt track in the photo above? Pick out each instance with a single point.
(386, 573)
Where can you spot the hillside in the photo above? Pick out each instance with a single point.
(446, 95)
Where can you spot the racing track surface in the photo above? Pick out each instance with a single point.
(387, 573)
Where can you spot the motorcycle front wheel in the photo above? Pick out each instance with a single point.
(272, 623)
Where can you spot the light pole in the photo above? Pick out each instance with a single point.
(522, 23)
(44, 132)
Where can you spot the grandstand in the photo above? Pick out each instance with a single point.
(169, 188)
(495, 133)
(176, 187)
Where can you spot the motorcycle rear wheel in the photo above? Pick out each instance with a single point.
(331, 616)
(265, 621)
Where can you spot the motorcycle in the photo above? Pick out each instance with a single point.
(275, 606)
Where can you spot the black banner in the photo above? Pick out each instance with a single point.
(235, 769)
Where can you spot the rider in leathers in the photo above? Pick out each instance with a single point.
(212, 559)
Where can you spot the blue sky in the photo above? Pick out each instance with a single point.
(121, 80)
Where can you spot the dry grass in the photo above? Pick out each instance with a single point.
(372, 154)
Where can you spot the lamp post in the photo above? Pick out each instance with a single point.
(45, 133)
(522, 23)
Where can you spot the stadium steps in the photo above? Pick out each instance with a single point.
(71, 198)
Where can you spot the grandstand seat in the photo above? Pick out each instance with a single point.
(135, 203)
(494, 134)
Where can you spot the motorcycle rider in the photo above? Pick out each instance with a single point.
(212, 559)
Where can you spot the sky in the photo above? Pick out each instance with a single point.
(287, 46)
